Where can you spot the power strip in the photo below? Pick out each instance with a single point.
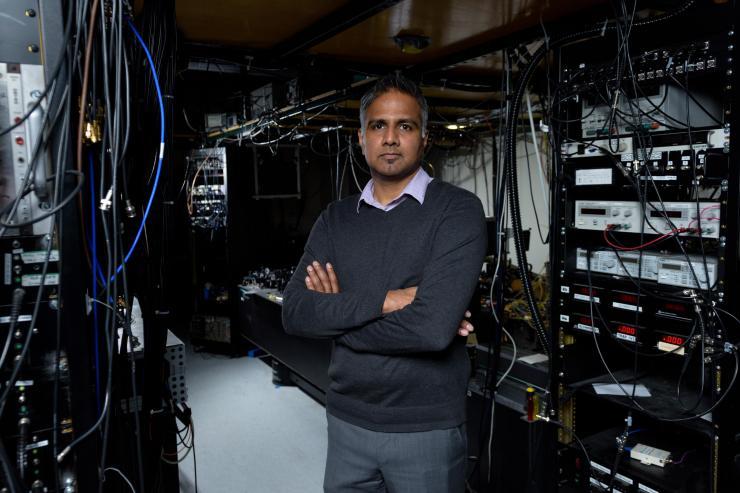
(650, 455)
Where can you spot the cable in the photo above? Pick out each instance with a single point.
(544, 239)
(9, 471)
(673, 233)
(49, 89)
(570, 432)
(123, 476)
(683, 458)
(631, 395)
(689, 95)
(29, 333)
(540, 168)
(160, 157)
(40, 144)
(513, 357)
(195, 464)
(83, 108)
(94, 282)
(55, 209)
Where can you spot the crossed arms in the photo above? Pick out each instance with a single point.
(417, 319)
(323, 279)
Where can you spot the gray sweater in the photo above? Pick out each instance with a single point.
(408, 370)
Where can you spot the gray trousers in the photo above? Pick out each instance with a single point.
(360, 460)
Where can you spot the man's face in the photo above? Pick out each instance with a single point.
(392, 141)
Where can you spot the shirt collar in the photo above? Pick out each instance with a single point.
(416, 188)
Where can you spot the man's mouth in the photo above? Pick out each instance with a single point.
(390, 155)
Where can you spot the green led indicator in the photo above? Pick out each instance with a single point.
(24, 409)
(18, 346)
(18, 280)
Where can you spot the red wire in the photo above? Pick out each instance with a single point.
(639, 247)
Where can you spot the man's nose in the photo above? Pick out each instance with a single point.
(390, 137)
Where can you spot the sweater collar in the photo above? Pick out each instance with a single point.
(416, 188)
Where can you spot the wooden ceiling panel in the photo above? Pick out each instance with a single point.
(492, 62)
(452, 25)
(254, 24)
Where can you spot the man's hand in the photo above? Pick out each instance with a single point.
(398, 298)
(465, 327)
(320, 280)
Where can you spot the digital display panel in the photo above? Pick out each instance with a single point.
(671, 214)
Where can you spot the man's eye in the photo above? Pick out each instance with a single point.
(405, 126)
(377, 126)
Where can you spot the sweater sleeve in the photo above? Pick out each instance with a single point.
(321, 315)
(430, 322)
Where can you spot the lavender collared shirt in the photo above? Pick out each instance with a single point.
(416, 188)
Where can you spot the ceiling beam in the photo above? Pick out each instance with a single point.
(345, 17)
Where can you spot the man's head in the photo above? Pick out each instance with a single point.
(399, 83)
(393, 130)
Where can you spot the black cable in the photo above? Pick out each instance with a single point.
(572, 433)
(688, 93)
(544, 240)
(29, 333)
(510, 162)
(684, 368)
(634, 402)
(132, 365)
(628, 421)
(51, 212)
(195, 463)
(59, 183)
(40, 144)
(111, 332)
(11, 478)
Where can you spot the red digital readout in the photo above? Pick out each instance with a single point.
(675, 307)
(585, 320)
(627, 298)
(584, 290)
(626, 329)
(675, 340)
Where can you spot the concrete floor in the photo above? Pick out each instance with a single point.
(251, 436)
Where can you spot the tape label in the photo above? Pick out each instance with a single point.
(601, 176)
(625, 306)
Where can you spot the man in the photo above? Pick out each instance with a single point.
(388, 275)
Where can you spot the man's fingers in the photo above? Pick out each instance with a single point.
(323, 278)
(333, 281)
(465, 328)
(317, 284)
(309, 284)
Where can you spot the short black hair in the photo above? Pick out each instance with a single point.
(395, 82)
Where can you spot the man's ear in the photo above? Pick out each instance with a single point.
(360, 140)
